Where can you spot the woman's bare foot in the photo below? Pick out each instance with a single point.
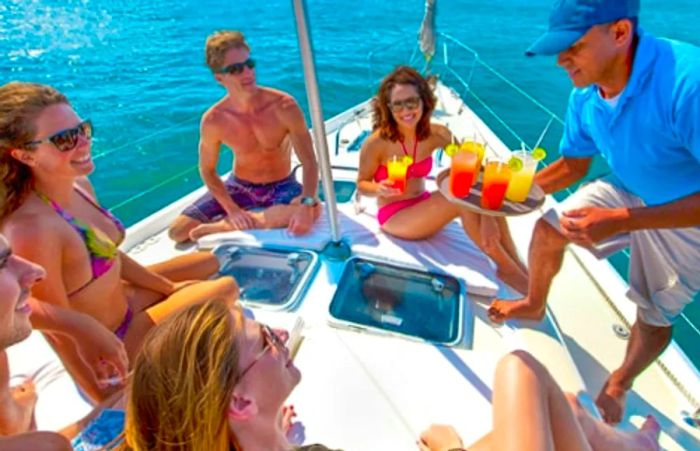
(503, 309)
(207, 229)
(604, 437)
(17, 409)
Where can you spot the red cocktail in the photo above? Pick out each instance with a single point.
(465, 166)
(496, 177)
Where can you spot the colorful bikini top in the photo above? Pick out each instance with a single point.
(416, 170)
(101, 249)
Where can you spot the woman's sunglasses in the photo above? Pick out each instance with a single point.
(237, 68)
(410, 103)
(67, 140)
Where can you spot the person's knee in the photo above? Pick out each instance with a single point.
(179, 230)
(227, 288)
(519, 363)
(547, 236)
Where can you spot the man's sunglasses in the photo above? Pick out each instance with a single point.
(237, 68)
(67, 140)
(410, 103)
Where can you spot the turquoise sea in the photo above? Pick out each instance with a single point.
(136, 68)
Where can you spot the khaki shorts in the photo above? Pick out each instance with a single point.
(664, 271)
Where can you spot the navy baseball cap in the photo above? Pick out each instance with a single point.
(571, 19)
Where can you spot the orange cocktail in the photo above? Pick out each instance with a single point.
(397, 173)
(496, 177)
(463, 172)
(475, 148)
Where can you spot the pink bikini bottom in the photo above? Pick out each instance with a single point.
(387, 211)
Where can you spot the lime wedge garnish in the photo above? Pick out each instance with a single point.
(515, 164)
(406, 160)
(539, 154)
(451, 149)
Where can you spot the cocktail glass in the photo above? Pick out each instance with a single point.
(475, 148)
(397, 173)
(463, 172)
(521, 180)
(495, 183)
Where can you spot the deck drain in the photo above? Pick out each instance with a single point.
(621, 331)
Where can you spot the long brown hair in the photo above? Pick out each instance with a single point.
(20, 104)
(183, 380)
(383, 119)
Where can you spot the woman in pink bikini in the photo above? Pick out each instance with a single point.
(402, 111)
(50, 215)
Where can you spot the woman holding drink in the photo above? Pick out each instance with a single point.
(400, 150)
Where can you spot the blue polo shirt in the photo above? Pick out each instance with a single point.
(651, 138)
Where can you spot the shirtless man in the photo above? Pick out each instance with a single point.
(260, 125)
(17, 403)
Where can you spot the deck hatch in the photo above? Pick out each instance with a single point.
(385, 297)
(274, 278)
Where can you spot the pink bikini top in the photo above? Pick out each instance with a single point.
(416, 170)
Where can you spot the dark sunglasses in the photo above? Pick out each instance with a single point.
(67, 140)
(237, 68)
(271, 340)
(410, 103)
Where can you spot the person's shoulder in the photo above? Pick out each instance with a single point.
(680, 58)
(440, 130)
(282, 100)
(579, 96)
(29, 225)
(374, 141)
(214, 116)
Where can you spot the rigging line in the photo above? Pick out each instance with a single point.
(145, 138)
(153, 188)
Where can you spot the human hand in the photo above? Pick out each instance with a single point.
(385, 188)
(439, 438)
(589, 225)
(241, 220)
(102, 352)
(302, 220)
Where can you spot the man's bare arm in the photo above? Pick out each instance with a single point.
(209, 148)
(562, 173)
(303, 146)
(681, 213)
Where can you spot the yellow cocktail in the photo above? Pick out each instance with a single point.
(521, 177)
(396, 169)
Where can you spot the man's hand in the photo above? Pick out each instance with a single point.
(589, 225)
(241, 220)
(103, 353)
(439, 438)
(302, 220)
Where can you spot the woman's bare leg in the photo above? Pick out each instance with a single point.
(223, 288)
(530, 412)
(602, 436)
(193, 266)
(498, 245)
(421, 220)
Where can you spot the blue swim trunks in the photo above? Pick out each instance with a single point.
(247, 195)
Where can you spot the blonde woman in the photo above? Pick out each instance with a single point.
(45, 197)
(209, 379)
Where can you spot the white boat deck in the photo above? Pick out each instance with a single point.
(363, 391)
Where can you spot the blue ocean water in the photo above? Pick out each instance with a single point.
(137, 70)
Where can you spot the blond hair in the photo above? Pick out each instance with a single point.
(183, 381)
(221, 42)
(20, 104)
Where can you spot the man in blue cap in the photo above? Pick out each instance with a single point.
(636, 102)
